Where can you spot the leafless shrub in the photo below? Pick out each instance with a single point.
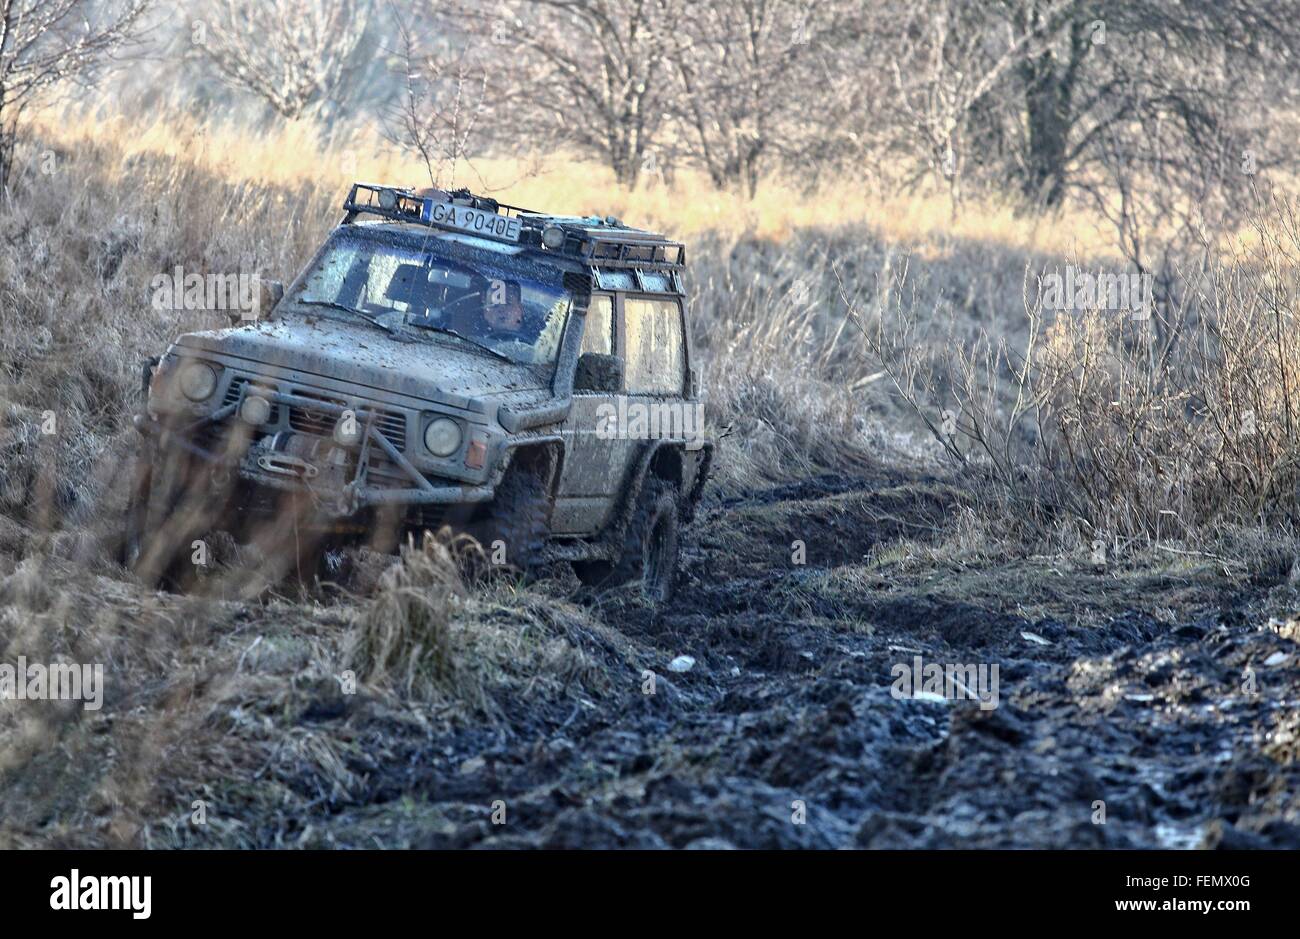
(445, 96)
(1165, 439)
(1165, 425)
(979, 395)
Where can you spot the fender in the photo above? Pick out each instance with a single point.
(671, 460)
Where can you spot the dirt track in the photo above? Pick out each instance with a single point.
(1125, 686)
(789, 702)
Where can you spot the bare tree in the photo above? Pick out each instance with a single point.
(1060, 96)
(944, 60)
(1165, 87)
(47, 42)
(746, 81)
(290, 53)
(588, 73)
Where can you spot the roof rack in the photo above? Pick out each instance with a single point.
(599, 242)
(609, 243)
(407, 205)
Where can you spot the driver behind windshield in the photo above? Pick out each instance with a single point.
(518, 318)
(503, 314)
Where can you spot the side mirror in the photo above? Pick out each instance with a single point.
(597, 371)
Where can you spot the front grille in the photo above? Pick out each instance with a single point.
(305, 420)
(392, 424)
(383, 473)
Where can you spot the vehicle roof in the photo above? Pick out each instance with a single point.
(591, 242)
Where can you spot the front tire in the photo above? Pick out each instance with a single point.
(518, 521)
(165, 514)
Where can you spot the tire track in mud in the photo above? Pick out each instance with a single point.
(785, 734)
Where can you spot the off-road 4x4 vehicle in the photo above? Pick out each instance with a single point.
(443, 360)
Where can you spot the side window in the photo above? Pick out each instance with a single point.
(598, 336)
(656, 356)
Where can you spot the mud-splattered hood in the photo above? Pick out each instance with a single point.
(364, 355)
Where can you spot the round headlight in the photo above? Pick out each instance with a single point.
(442, 436)
(255, 410)
(347, 432)
(198, 381)
(553, 237)
(387, 199)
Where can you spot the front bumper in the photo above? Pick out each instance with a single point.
(340, 495)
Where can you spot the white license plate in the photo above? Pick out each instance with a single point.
(472, 221)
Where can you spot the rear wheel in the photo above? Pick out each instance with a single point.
(650, 546)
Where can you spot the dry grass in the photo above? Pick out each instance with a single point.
(292, 154)
(213, 699)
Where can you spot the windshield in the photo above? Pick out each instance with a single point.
(494, 302)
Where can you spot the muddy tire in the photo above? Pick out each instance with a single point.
(650, 546)
(519, 517)
(154, 544)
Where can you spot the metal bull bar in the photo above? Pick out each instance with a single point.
(356, 493)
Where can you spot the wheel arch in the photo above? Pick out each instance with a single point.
(546, 453)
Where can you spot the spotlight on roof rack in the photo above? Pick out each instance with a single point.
(553, 237)
(387, 200)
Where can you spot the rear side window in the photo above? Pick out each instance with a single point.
(598, 335)
(656, 355)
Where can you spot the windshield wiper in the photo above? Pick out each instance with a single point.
(392, 328)
(473, 342)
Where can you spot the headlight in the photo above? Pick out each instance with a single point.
(553, 237)
(198, 381)
(442, 436)
(255, 410)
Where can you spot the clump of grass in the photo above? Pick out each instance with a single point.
(497, 651)
(405, 637)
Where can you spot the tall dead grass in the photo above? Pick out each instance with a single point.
(405, 636)
(1178, 425)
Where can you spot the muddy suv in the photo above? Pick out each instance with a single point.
(444, 360)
